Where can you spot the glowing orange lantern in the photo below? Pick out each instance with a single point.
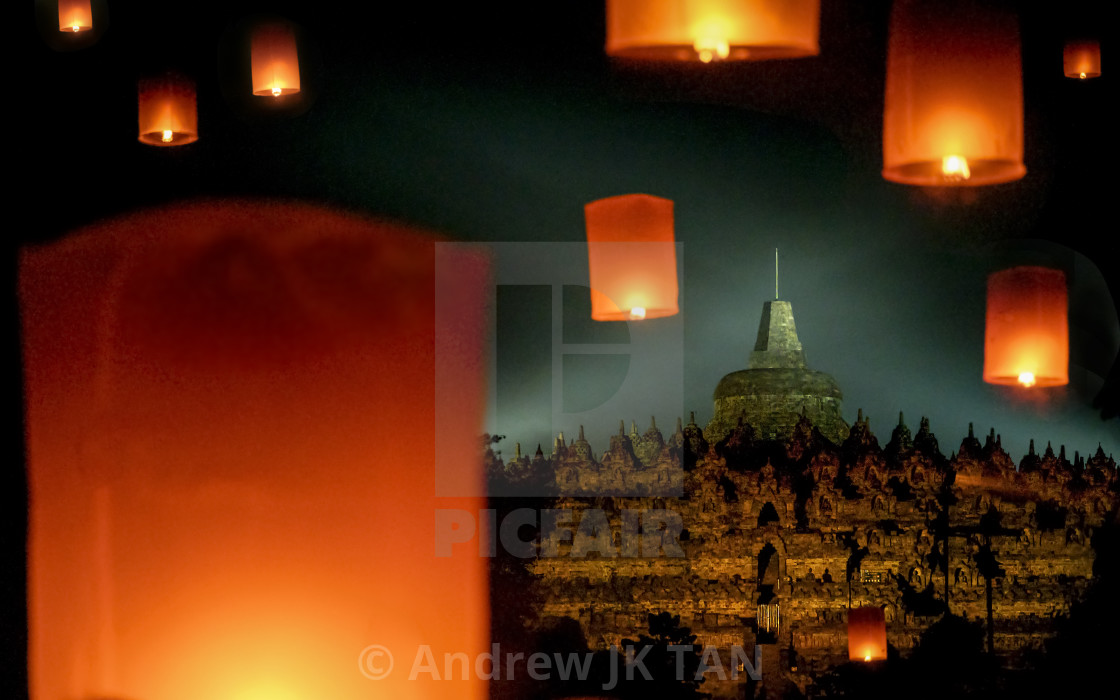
(712, 30)
(1082, 59)
(232, 439)
(1026, 340)
(168, 111)
(74, 16)
(954, 95)
(275, 59)
(867, 634)
(632, 257)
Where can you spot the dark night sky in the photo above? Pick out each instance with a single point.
(497, 124)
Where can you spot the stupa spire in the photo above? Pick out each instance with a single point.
(777, 345)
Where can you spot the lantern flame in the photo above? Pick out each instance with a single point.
(710, 49)
(276, 91)
(637, 313)
(1083, 76)
(867, 657)
(78, 28)
(167, 136)
(1027, 379)
(955, 168)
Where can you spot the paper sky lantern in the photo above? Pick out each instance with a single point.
(74, 16)
(1082, 59)
(1026, 339)
(232, 430)
(168, 111)
(632, 258)
(954, 95)
(275, 59)
(867, 634)
(712, 30)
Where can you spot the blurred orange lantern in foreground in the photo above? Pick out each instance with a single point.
(632, 257)
(1026, 339)
(232, 429)
(74, 16)
(168, 111)
(867, 634)
(1082, 59)
(954, 95)
(275, 59)
(712, 30)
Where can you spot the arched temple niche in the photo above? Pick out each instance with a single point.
(768, 516)
(917, 578)
(770, 563)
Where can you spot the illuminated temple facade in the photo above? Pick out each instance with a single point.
(782, 530)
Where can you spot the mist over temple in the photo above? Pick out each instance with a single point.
(790, 518)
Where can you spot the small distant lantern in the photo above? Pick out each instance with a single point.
(1082, 59)
(632, 258)
(168, 111)
(275, 59)
(953, 113)
(712, 30)
(867, 634)
(1026, 339)
(74, 16)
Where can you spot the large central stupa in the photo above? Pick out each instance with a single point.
(777, 387)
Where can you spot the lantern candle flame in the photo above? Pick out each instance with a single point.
(1027, 379)
(637, 313)
(709, 49)
(955, 168)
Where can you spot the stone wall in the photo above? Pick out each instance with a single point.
(810, 528)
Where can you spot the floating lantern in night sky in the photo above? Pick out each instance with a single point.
(867, 634)
(75, 16)
(168, 111)
(1026, 338)
(712, 30)
(632, 257)
(954, 95)
(232, 429)
(1082, 59)
(275, 59)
